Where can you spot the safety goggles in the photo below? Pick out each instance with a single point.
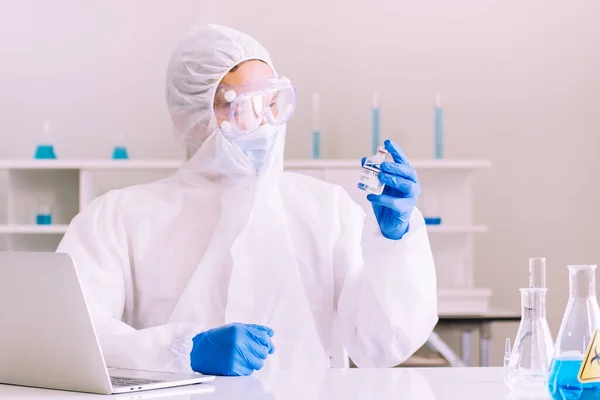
(243, 108)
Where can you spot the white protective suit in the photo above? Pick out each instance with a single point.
(218, 243)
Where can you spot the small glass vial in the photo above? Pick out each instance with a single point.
(45, 150)
(369, 175)
(44, 215)
(120, 151)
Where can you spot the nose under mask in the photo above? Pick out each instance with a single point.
(256, 146)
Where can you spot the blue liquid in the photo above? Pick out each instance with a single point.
(316, 144)
(438, 122)
(433, 220)
(564, 385)
(44, 152)
(43, 219)
(120, 153)
(374, 130)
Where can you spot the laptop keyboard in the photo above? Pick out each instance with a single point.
(119, 381)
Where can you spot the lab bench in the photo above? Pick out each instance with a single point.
(333, 384)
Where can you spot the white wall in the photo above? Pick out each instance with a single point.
(519, 80)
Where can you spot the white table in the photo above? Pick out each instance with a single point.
(343, 384)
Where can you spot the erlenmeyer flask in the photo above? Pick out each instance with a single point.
(120, 151)
(528, 363)
(45, 150)
(581, 319)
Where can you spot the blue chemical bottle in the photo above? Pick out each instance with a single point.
(438, 118)
(43, 216)
(120, 151)
(45, 150)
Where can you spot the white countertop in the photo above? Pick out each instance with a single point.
(376, 384)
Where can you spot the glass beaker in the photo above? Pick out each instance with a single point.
(527, 365)
(45, 150)
(120, 151)
(581, 319)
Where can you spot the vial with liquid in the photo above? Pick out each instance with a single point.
(575, 369)
(45, 150)
(369, 176)
(120, 150)
(43, 215)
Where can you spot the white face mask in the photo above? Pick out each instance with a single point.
(256, 146)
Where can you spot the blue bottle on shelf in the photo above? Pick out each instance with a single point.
(43, 216)
(45, 150)
(120, 151)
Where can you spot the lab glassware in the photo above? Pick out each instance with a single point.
(526, 367)
(44, 215)
(120, 151)
(431, 212)
(316, 132)
(575, 340)
(438, 117)
(375, 125)
(369, 176)
(537, 272)
(45, 150)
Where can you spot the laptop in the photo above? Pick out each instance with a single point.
(47, 339)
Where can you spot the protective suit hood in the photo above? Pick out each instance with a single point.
(201, 60)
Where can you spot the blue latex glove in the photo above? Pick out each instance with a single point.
(231, 350)
(395, 205)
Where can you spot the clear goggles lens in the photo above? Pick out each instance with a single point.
(243, 108)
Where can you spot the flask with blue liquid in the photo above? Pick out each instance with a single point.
(45, 150)
(120, 151)
(575, 369)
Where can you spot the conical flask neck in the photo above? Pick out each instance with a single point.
(582, 281)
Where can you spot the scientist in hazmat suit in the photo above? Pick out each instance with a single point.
(231, 265)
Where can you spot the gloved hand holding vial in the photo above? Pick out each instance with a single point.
(393, 189)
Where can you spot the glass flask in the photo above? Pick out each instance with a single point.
(120, 151)
(45, 150)
(580, 321)
(526, 367)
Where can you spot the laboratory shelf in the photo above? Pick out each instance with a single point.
(457, 228)
(103, 164)
(99, 164)
(33, 229)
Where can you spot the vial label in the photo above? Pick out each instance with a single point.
(369, 180)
